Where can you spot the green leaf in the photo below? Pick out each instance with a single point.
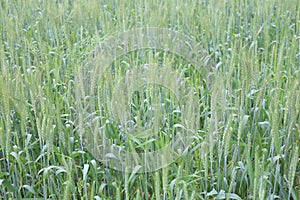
(212, 193)
(85, 171)
(29, 188)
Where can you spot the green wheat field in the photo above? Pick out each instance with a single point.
(247, 143)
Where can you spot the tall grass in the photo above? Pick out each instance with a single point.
(247, 148)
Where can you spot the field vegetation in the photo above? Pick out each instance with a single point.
(247, 147)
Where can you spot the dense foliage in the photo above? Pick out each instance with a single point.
(253, 152)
